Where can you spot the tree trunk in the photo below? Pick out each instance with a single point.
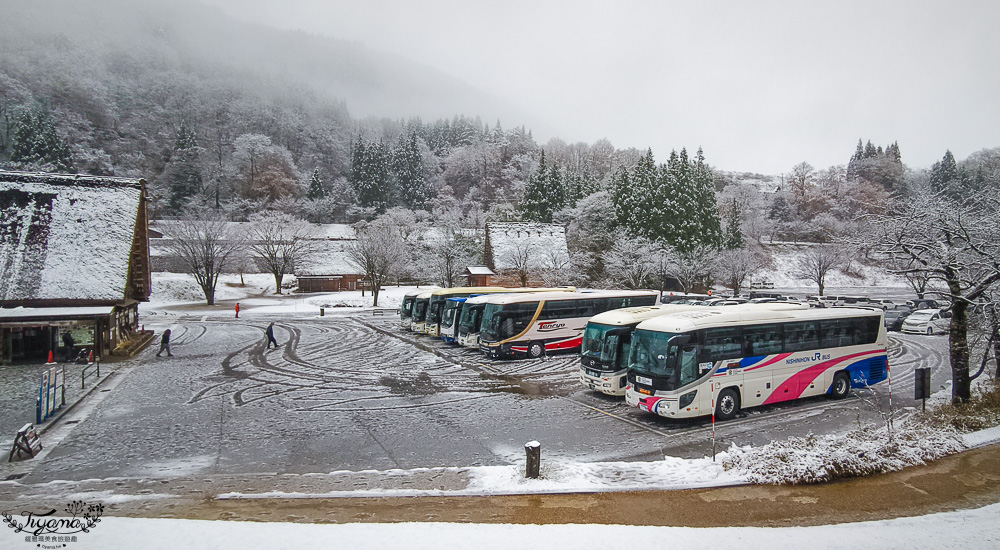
(375, 296)
(958, 347)
(277, 282)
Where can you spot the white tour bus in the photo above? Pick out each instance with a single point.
(470, 321)
(451, 327)
(529, 325)
(418, 315)
(605, 349)
(439, 299)
(680, 364)
(406, 308)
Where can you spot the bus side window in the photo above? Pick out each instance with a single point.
(801, 336)
(836, 333)
(723, 343)
(762, 340)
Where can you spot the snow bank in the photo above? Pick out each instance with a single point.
(969, 529)
(861, 452)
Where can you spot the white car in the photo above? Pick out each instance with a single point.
(927, 321)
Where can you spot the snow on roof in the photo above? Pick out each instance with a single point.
(59, 312)
(543, 243)
(65, 236)
(318, 231)
(328, 258)
(479, 270)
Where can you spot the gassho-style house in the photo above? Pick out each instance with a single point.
(74, 257)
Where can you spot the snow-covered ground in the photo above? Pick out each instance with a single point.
(255, 292)
(965, 529)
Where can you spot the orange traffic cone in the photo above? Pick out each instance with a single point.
(90, 358)
(51, 359)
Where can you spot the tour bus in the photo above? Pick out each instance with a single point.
(419, 314)
(682, 364)
(469, 319)
(436, 307)
(529, 325)
(406, 308)
(605, 348)
(449, 319)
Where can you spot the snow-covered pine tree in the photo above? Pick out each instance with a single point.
(370, 175)
(316, 191)
(535, 205)
(407, 163)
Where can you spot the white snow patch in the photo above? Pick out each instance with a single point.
(970, 529)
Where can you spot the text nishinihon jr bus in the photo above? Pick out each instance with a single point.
(684, 364)
(529, 325)
(406, 308)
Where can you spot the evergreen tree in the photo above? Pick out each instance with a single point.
(316, 190)
(536, 204)
(183, 173)
(944, 177)
(733, 237)
(35, 140)
(408, 170)
(622, 197)
(369, 175)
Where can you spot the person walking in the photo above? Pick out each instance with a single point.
(69, 343)
(165, 344)
(269, 332)
(237, 310)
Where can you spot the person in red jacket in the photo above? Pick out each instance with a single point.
(237, 310)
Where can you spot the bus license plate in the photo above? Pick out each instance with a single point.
(643, 407)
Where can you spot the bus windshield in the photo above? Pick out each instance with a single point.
(448, 317)
(407, 308)
(471, 318)
(672, 366)
(420, 310)
(501, 322)
(434, 311)
(602, 342)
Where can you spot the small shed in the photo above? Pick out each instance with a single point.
(327, 268)
(74, 257)
(478, 275)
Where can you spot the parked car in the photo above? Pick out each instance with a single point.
(678, 297)
(924, 303)
(883, 303)
(894, 318)
(927, 321)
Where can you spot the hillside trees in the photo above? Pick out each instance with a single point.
(182, 175)
(378, 252)
(878, 166)
(35, 140)
(949, 241)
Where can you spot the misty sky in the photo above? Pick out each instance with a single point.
(760, 85)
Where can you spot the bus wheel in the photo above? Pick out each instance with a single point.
(535, 350)
(841, 386)
(728, 404)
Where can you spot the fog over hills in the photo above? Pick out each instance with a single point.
(195, 38)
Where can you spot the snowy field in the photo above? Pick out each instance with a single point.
(255, 293)
(966, 530)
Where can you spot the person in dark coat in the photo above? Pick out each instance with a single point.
(269, 331)
(68, 342)
(165, 344)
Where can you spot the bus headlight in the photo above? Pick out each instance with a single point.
(687, 399)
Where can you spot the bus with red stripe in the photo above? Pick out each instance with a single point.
(531, 325)
(722, 360)
(606, 341)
